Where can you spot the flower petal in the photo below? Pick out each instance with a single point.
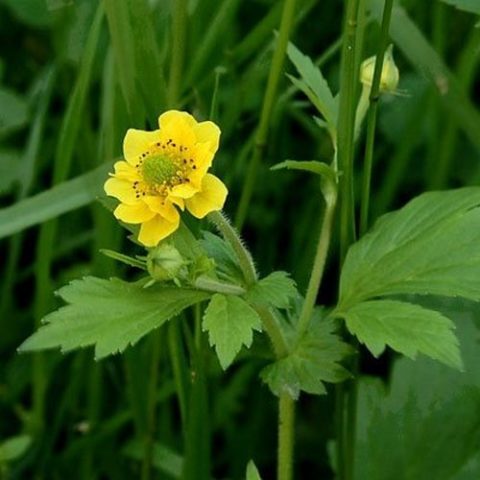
(162, 206)
(137, 142)
(184, 190)
(125, 171)
(120, 189)
(179, 202)
(208, 132)
(178, 126)
(133, 213)
(211, 197)
(156, 229)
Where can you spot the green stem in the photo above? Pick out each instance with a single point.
(274, 76)
(345, 153)
(157, 340)
(179, 30)
(286, 422)
(372, 116)
(318, 264)
(274, 332)
(215, 286)
(346, 126)
(231, 236)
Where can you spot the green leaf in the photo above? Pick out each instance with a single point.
(252, 472)
(110, 314)
(314, 85)
(51, 203)
(314, 360)
(120, 257)
(230, 322)
(221, 252)
(472, 6)
(277, 290)
(430, 246)
(427, 419)
(14, 447)
(312, 166)
(14, 111)
(164, 458)
(408, 329)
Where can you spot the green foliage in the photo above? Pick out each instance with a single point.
(430, 246)
(410, 252)
(51, 203)
(110, 314)
(313, 361)
(13, 448)
(407, 328)
(252, 472)
(314, 85)
(427, 419)
(276, 289)
(230, 322)
(14, 112)
(472, 6)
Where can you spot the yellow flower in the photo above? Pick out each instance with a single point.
(166, 170)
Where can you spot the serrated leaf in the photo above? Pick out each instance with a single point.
(230, 322)
(110, 314)
(315, 82)
(315, 360)
(276, 289)
(407, 328)
(430, 246)
(472, 6)
(14, 447)
(252, 472)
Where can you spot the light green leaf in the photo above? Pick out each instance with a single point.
(277, 289)
(315, 84)
(252, 472)
(315, 360)
(14, 447)
(110, 314)
(408, 329)
(230, 322)
(430, 246)
(472, 6)
(14, 111)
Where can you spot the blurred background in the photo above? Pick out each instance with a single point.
(74, 75)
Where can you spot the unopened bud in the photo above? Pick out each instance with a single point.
(165, 262)
(390, 75)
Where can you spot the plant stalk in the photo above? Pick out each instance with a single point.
(372, 117)
(288, 16)
(286, 422)
(179, 33)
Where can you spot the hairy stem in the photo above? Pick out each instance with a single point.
(286, 421)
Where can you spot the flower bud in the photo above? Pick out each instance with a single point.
(165, 262)
(390, 75)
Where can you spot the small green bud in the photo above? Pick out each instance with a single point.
(390, 75)
(165, 262)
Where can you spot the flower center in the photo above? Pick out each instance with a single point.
(158, 169)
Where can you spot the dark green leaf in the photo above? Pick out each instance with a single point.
(110, 314)
(277, 290)
(14, 112)
(407, 328)
(230, 322)
(315, 360)
(252, 472)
